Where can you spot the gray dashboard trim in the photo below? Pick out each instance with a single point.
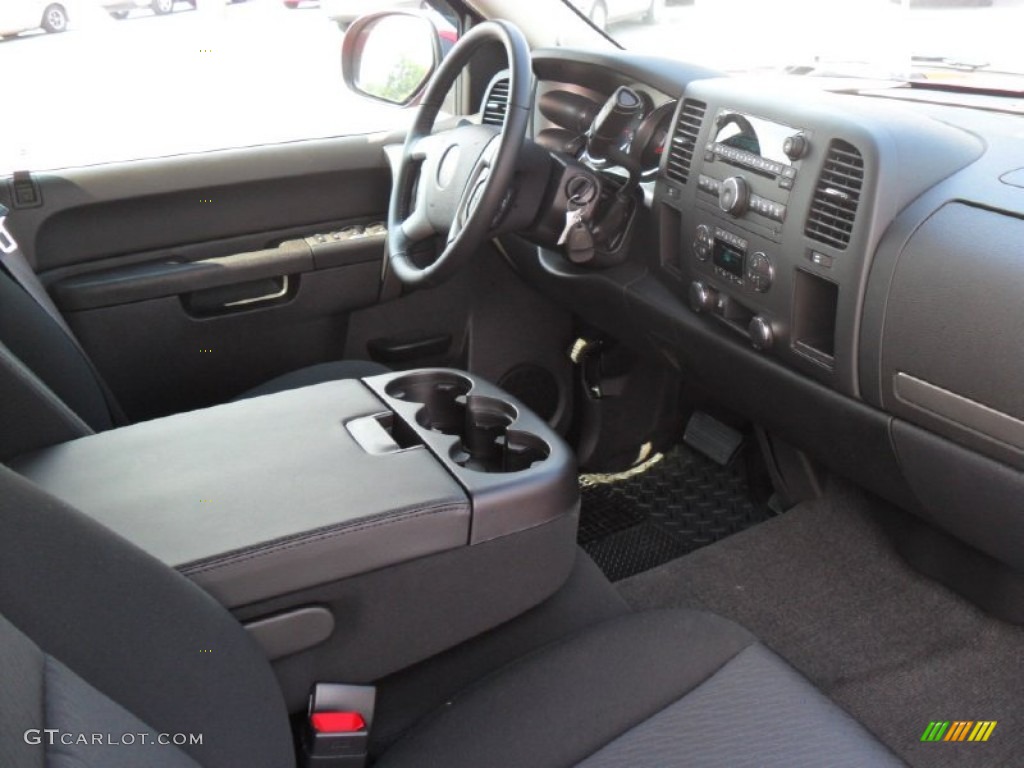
(959, 410)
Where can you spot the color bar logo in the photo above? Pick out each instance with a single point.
(958, 730)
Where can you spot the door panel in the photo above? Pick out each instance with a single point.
(156, 281)
(191, 279)
(101, 212)
(158, 359)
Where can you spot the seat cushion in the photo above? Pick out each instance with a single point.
(651, 689)
(316, 374)
(133, 631)
(50, 716)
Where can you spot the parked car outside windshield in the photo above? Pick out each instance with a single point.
(17, 16)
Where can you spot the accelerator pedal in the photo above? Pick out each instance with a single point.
(718, 441)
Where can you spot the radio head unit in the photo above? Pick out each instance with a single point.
(749, 167)
(755, 143)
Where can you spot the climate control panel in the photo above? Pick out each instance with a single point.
(729, 258)
(733, 275)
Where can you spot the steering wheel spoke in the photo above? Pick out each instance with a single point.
(473, 189)
(419, 148)
(417, 226)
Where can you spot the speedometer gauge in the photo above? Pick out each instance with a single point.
(650, 137)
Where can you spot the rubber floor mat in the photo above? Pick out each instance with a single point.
(677, 505)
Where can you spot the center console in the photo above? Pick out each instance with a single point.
(772, 204)
(746, 178)
(339, 520)
(751, 175)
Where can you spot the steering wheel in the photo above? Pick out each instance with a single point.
(457, 184)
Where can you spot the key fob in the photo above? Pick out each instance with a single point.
(580, 243)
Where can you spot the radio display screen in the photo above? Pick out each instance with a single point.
(728, 258)
(759, 137)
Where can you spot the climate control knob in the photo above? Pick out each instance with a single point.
(703, 298)
(703, 242)
(760, 271)
(761, 334)
(734, 196)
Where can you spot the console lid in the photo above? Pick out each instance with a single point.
(261, 497)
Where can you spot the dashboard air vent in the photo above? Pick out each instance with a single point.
(834, 206)
(496, 102)
(684, 140)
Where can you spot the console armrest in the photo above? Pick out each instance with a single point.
(264, 496)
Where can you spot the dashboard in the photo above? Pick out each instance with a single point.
(570, 112)
(841, 269)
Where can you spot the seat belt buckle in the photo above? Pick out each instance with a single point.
(337, 731)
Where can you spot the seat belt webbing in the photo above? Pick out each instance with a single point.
(16, 265)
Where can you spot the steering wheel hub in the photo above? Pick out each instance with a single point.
(448, 166)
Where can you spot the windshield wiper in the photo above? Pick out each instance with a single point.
(934, 73)
(874, 69)
(948, 62)
(983, 81)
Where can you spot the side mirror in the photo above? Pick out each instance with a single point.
(391, 56)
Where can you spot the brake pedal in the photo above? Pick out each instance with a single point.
(718, 441)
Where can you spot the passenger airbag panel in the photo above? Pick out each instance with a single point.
(954, 320)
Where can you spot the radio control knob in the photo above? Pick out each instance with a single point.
(761, 334)
(702, 297)
(795, 146)
(734, 196)
(760, 272)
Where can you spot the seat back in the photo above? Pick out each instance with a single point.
(48, 391)
(98, 637)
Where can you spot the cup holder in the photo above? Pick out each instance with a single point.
(481, 424)
(486, 444)
(443, 396)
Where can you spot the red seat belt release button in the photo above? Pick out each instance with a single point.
(337, 722)
(337, 733)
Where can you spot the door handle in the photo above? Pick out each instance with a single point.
(273, 295)
(238, 297)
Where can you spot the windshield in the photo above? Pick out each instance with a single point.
(87, 82)
(961, 41)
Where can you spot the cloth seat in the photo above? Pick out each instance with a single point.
(98, 637)
(654, 689)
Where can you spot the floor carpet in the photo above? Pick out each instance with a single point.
(823, 587)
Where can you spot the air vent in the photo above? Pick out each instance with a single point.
(684, 141)
(834, 206)
(496, 102)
